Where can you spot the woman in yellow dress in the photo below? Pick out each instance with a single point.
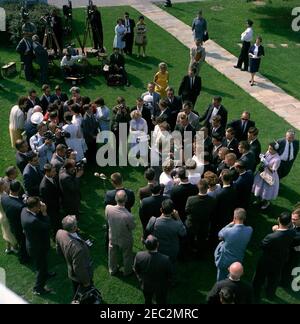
(161, 80)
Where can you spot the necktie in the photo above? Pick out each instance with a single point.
(289, 152)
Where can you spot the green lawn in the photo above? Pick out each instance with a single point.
(196, 278)
(226, 21)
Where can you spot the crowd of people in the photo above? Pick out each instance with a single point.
(186, 211)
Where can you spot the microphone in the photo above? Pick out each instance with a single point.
(102, 176)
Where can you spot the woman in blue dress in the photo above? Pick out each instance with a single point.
(199, 27)
(120, 32)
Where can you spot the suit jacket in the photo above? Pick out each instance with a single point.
(117, 60)
(131, 24)
(175, 107)
(255, 148)
(220, 130)
(150, 206)
(180, 194)
(275, 247)
(32, 179)
(13, 207)
(70, 188)
(282, 143)
(22, 49)
(200, 211)
(181, 129)
(232, 146)
(57, 162)
(21, 161)
(208, 145)
(207, 115)
(110, 198)
(50, 195)
(243, 186)
(240, 133)
(77, 256)
(121, 225)
(37, 232)
(44, 103)
(154, 271)
(186, 92)
(63, 97)
(242, 290)
(261, 50)
(249, 160)
(89, 128)
(145, 192)
(167, 114)
(226, 204)
(31, 104)
(30, 129)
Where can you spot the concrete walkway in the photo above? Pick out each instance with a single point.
(270, 95)
(273, 97)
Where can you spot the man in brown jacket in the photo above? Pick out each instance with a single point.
(76, 254)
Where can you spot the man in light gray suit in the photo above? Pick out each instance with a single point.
(121, 224)
(235, 238)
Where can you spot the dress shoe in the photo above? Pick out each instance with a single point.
(236, 67)
(41, 292)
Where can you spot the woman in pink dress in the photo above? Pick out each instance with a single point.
(264, 191)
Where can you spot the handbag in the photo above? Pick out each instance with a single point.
(267, 177)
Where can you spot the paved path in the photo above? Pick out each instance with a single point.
(273, 97)
(265, 92)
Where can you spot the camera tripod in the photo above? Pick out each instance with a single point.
(50, 37)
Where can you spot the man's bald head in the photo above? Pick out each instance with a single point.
(121, 197)
(236, 270)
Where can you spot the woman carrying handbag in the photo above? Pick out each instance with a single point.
(266, 182)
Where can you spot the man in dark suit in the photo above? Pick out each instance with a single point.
(247, 156)
(25, 49)
(216, 127)
(146, 113)
(217, 145)
(241, 126)
(50, 195)
(36, 226)
(151, 206)
(12, 206)
(183, 127)
(174, 104)
(59, 157)
(32, 101)
(59, 95)
(145, 192)
(69, 183)
(255, 146)
(129, 36)
(45, 99)
(117, 182)
(243, 291)
(76, 254)
(288, 151)
(275, 248)
(208, 145)
(200, 211)
(163, 111)
(32, 175)
(57, 27)
(97, 28)
(243, 185)
(117, 65)
(214, 109)
(226, 201)
(190, 87)
(180, 193)
(154, 272)
(21, 154)
(231, 142)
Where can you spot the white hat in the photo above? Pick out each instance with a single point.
(148, 98)
(37, 118)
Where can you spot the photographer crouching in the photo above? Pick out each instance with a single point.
(69, 182)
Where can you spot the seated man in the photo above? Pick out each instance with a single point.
(70, 65)
(117, 68)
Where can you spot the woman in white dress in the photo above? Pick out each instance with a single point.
(138, 133)
(166, 178)
(191, 170)
(120, 32)
(8, 237)
(75, 141)
(264, 191)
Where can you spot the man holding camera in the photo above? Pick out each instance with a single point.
(69, 182)
(76, 253)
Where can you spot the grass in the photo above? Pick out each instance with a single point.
(226, 21)
(196, 278)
